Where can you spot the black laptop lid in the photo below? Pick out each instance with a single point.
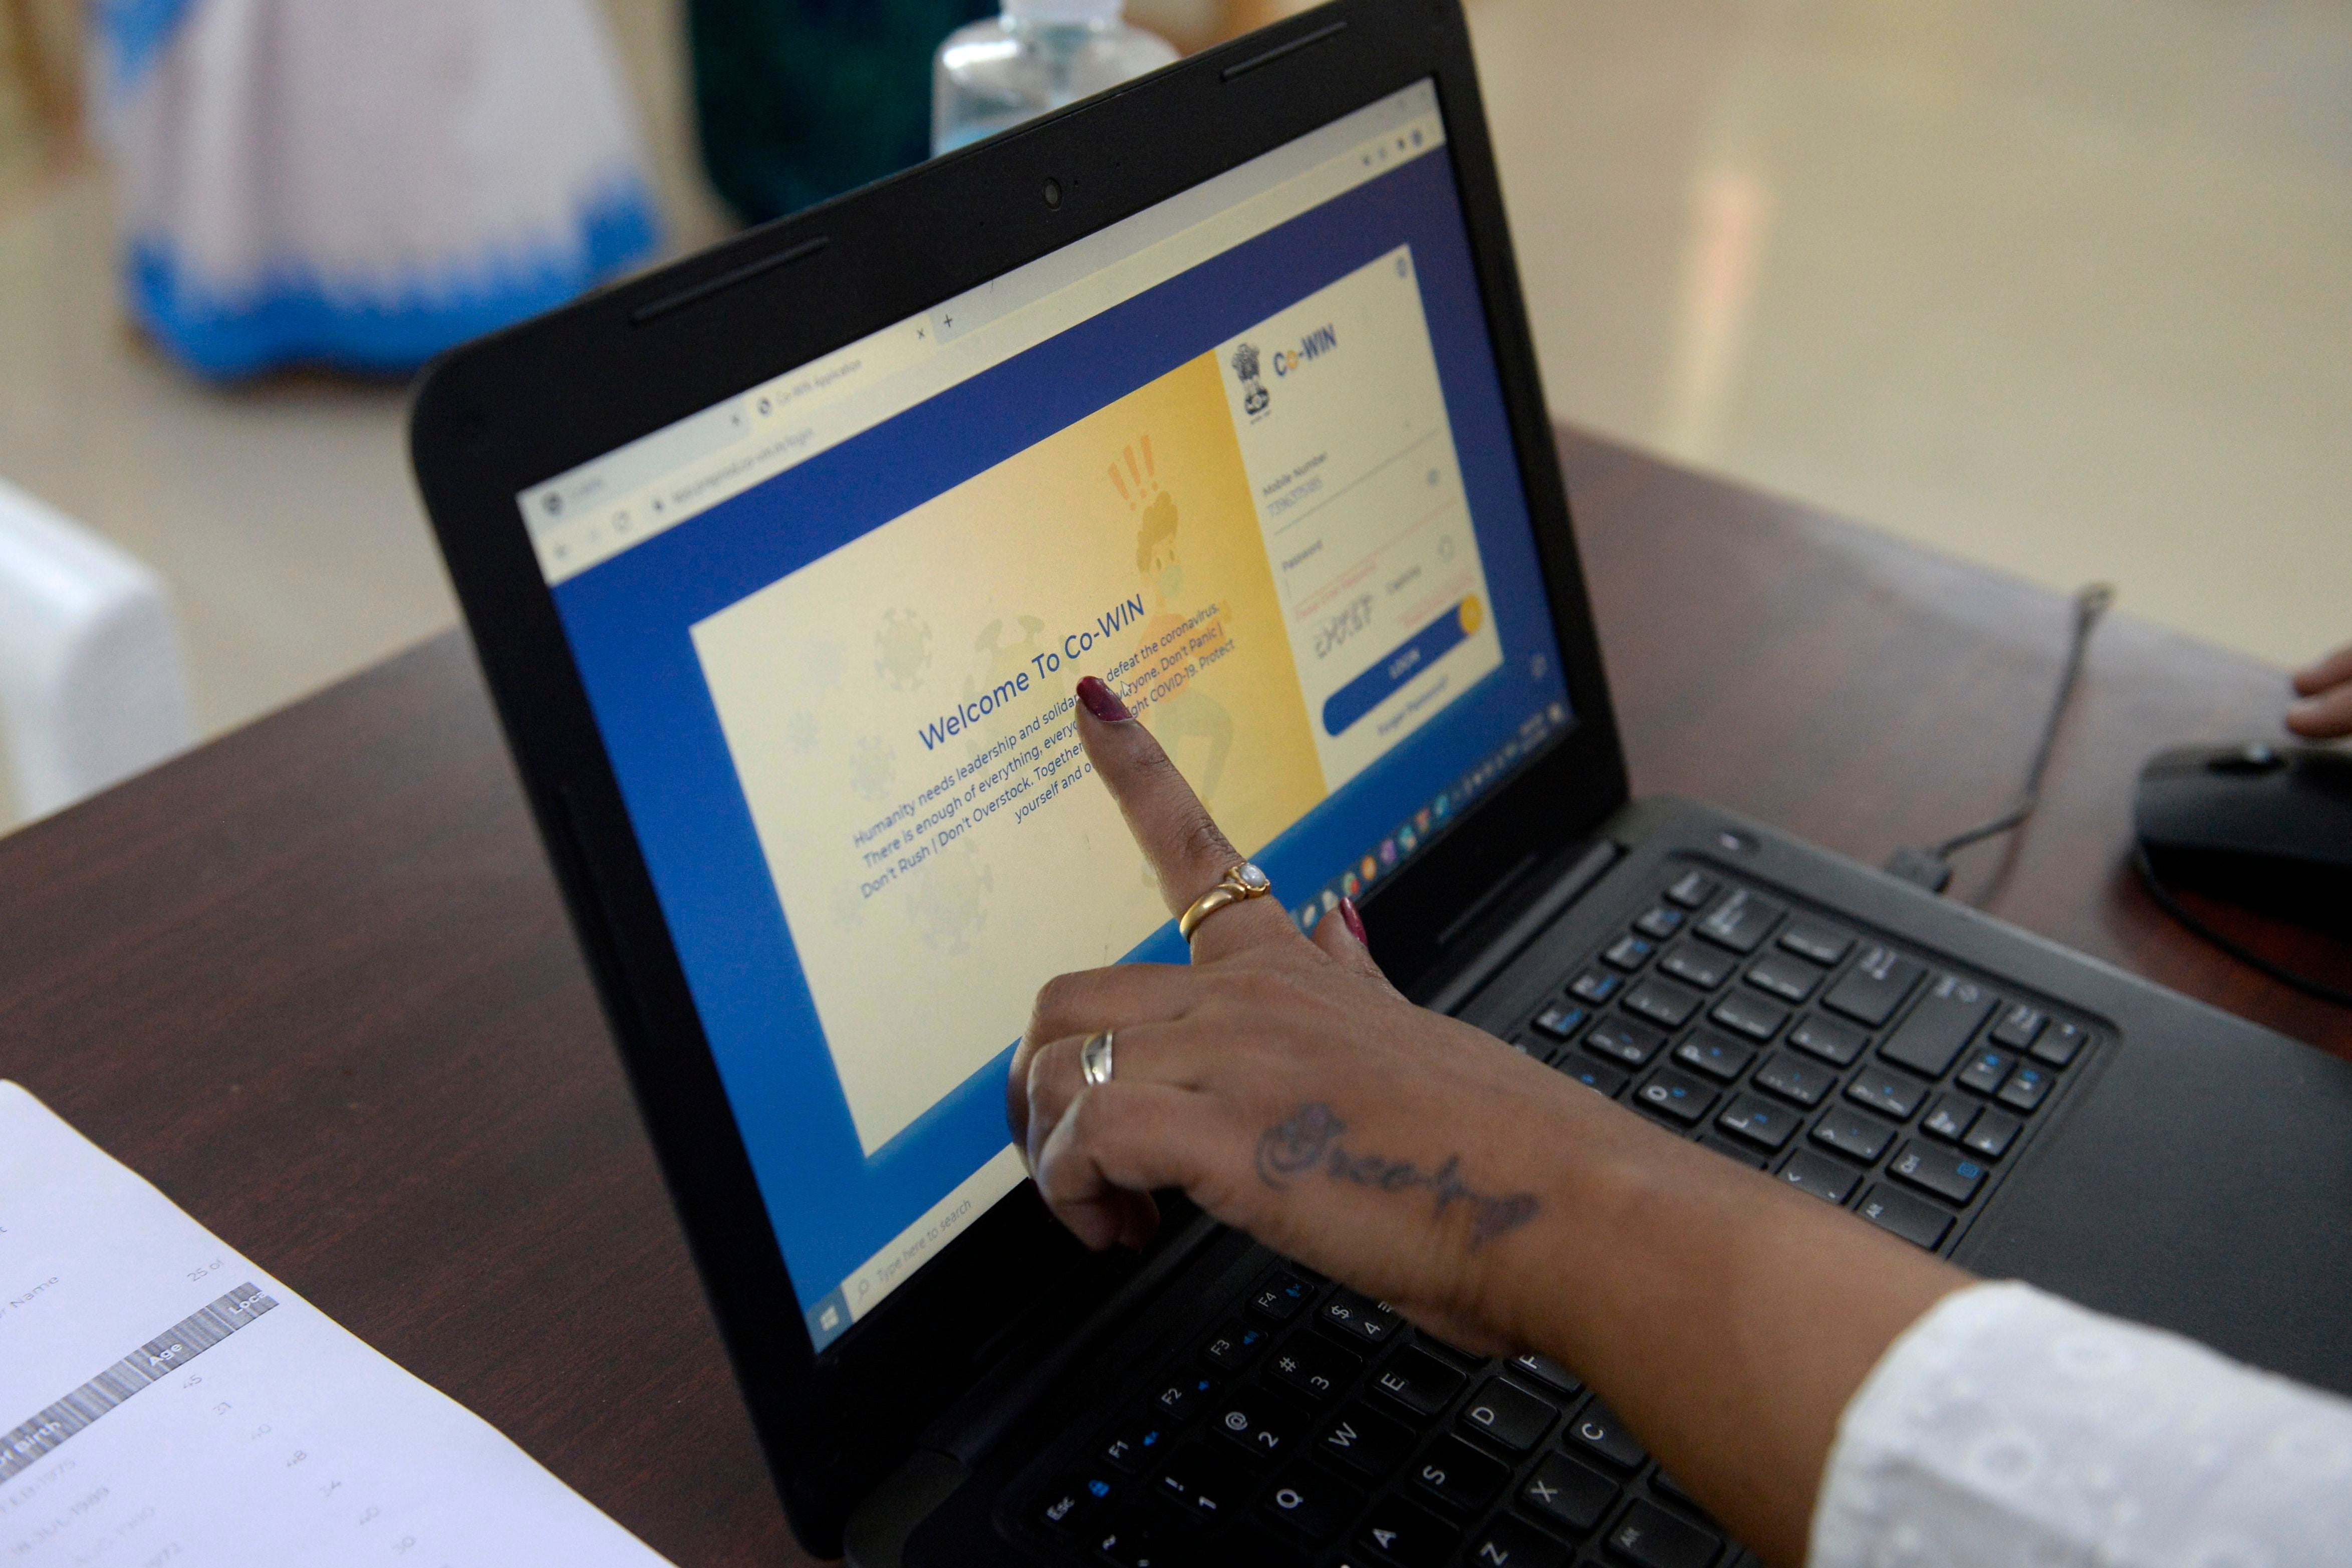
(790, 668)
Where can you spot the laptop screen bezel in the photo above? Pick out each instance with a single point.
(509, 411)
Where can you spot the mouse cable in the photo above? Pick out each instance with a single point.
(1931, 867)
(2235, 949)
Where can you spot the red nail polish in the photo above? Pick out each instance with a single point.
(1102, 701)
(1355, 921)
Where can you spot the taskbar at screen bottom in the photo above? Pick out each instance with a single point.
(863, 1289)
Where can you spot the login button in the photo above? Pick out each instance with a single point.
(1400, 665)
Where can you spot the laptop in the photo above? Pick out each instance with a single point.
(781, 565)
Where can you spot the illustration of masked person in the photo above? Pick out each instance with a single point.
(1184, 713)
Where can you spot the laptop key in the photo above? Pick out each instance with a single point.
(1826, 1179)
(1234, 1346)
(1701, 966)
(1662, 1002)
(1916, 1221)
(2026, 1088)
(1374, 1322)
(1140, 1442)
(1938, 1171)
(1942, 1022)
(1594, 1076)
(2061, 1044)
(1880, 982)
(1650, 1537)
(1596, 986)
(1365, 1441)
(1789, 979)
(1950, 1118)
(1280, 1295)
(1208, 1484)
(1676, 1095)
(1825, 945)
(1661, 922)
(1742, 922)
(1502, 1412)
(1629, 952)
(1851, 1133)
(1768, 1126)
(1073, 1504)
(1710, 1053)
(1836, 1044)
(1794, 1077)
(1132, 1539)
(1993, 1133)
(1182, 1394)
(1259, 1424)
(1623, 1040)
(1747, 1014)
(1418, 1380)
(1459, 1475)
(1884, 1091)
(1408, 1534)
(1313, 1368)
(1985, 1069)
(1311, 1503)
(2019, 1028)
(1549, 1373)
(1506, 1542)
(1568, 1493)
(1598, 1433)
(1561, 1021)
(1692, 890)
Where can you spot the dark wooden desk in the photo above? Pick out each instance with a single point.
(313, 981)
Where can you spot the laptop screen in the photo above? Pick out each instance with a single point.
(1243, 456)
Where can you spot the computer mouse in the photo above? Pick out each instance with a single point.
(2262, 826)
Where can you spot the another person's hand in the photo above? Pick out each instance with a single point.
(1291, 1091)
(2325, 711)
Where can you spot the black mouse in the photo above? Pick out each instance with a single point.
(2262, 826)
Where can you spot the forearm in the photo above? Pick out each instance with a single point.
(1727, 1317)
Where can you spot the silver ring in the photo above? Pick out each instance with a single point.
(1094, 1059)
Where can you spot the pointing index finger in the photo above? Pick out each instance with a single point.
(1188, 853)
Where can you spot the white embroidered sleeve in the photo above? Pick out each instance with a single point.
(2010, 1428)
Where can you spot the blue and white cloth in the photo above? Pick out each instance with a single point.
(363, 183)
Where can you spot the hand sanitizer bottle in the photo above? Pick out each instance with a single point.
(1039, 55)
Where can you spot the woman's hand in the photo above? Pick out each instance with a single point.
(1286, 1086)
(2326, 711)
(1291, 1091)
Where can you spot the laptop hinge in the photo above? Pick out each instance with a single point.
(1547, 907)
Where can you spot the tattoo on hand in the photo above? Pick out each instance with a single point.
(1309, 1142)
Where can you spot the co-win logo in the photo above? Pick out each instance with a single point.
(1314, 345)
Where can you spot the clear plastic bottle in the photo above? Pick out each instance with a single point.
(1039, 55)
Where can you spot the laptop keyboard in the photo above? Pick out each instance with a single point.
(1314, 1428)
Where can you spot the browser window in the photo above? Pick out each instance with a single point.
(1242, 455)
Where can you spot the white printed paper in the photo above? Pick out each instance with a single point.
(164, 1403)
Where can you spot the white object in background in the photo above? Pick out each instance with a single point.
(363, 183)
(1038, 56)
(161, 1396)
(91, 686)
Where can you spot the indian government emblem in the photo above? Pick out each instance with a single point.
(1255, 396)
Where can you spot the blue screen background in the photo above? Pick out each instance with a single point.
(628, 620)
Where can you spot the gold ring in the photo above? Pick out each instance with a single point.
(1241, 882)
